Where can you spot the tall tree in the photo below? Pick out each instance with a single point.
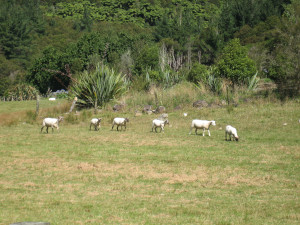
(234, 64)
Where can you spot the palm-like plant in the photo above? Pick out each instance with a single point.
(97, 87)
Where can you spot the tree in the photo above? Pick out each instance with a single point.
(18, 21)
(283, 64)
(234, 64)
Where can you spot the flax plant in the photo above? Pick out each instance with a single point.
(98, 87)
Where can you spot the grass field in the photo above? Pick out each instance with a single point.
(77, 176)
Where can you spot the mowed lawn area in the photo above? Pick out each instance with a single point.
(78, 176)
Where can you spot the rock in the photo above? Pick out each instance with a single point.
(119, 107)
(163, 116)
(223, 102)
(138, 113)
(178, 107)
(160, 109)
(185, 114)
(147, 108)
(213, 105)
(200, 104)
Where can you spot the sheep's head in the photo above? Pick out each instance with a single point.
(60, 118)
(126, 119)
(236, 138)
(166, 122)
(213, 123)
(99, 119)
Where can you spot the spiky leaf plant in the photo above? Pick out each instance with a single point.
(97, 87)
(21, 92)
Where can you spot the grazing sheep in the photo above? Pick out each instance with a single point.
(231, 131)
(96, 123)
(202, 124)
(159, 123)
(51, 122)
(119, 122)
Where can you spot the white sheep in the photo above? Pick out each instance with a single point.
(51, 122)
(159, 123)
(202, 124)
(120, 122)
(96, 123)
(231, 131)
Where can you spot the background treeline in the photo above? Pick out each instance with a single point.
(50, 45)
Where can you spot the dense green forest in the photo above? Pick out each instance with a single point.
(51, 45)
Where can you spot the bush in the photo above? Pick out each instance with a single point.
(22, 92)
(98, 87)
(234, 63)
(198, 73)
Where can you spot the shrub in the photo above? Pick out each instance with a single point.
(234, 63)
(98, 87)
(22, 92)
(198, 73)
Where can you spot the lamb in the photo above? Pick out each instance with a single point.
(159, 123)
(51, 122)
(96, 123)
(231, 131)
(204, 124)
(119, 122)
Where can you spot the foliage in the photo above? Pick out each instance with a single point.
(252, 82)
(22, 92)
(282, 64)
(214, 83)
(18, 22)
(234, 64)
(98, 87)
(236, 14)
(198, 73)
(46, 73)
(54, 41)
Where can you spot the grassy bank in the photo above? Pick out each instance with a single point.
(77, 176)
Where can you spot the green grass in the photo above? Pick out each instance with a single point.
(77, 176)
(8, 107)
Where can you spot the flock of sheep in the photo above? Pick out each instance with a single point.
(156, 123)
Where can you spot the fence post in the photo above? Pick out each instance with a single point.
(37, 105)
(73, 104)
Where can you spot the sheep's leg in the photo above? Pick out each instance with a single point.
(52, 129)
(113, 126)
(47, 130)
(162, 129)
(203, 132)
(208, 132)
(42, 129)
(191, 130)
(225, 136)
